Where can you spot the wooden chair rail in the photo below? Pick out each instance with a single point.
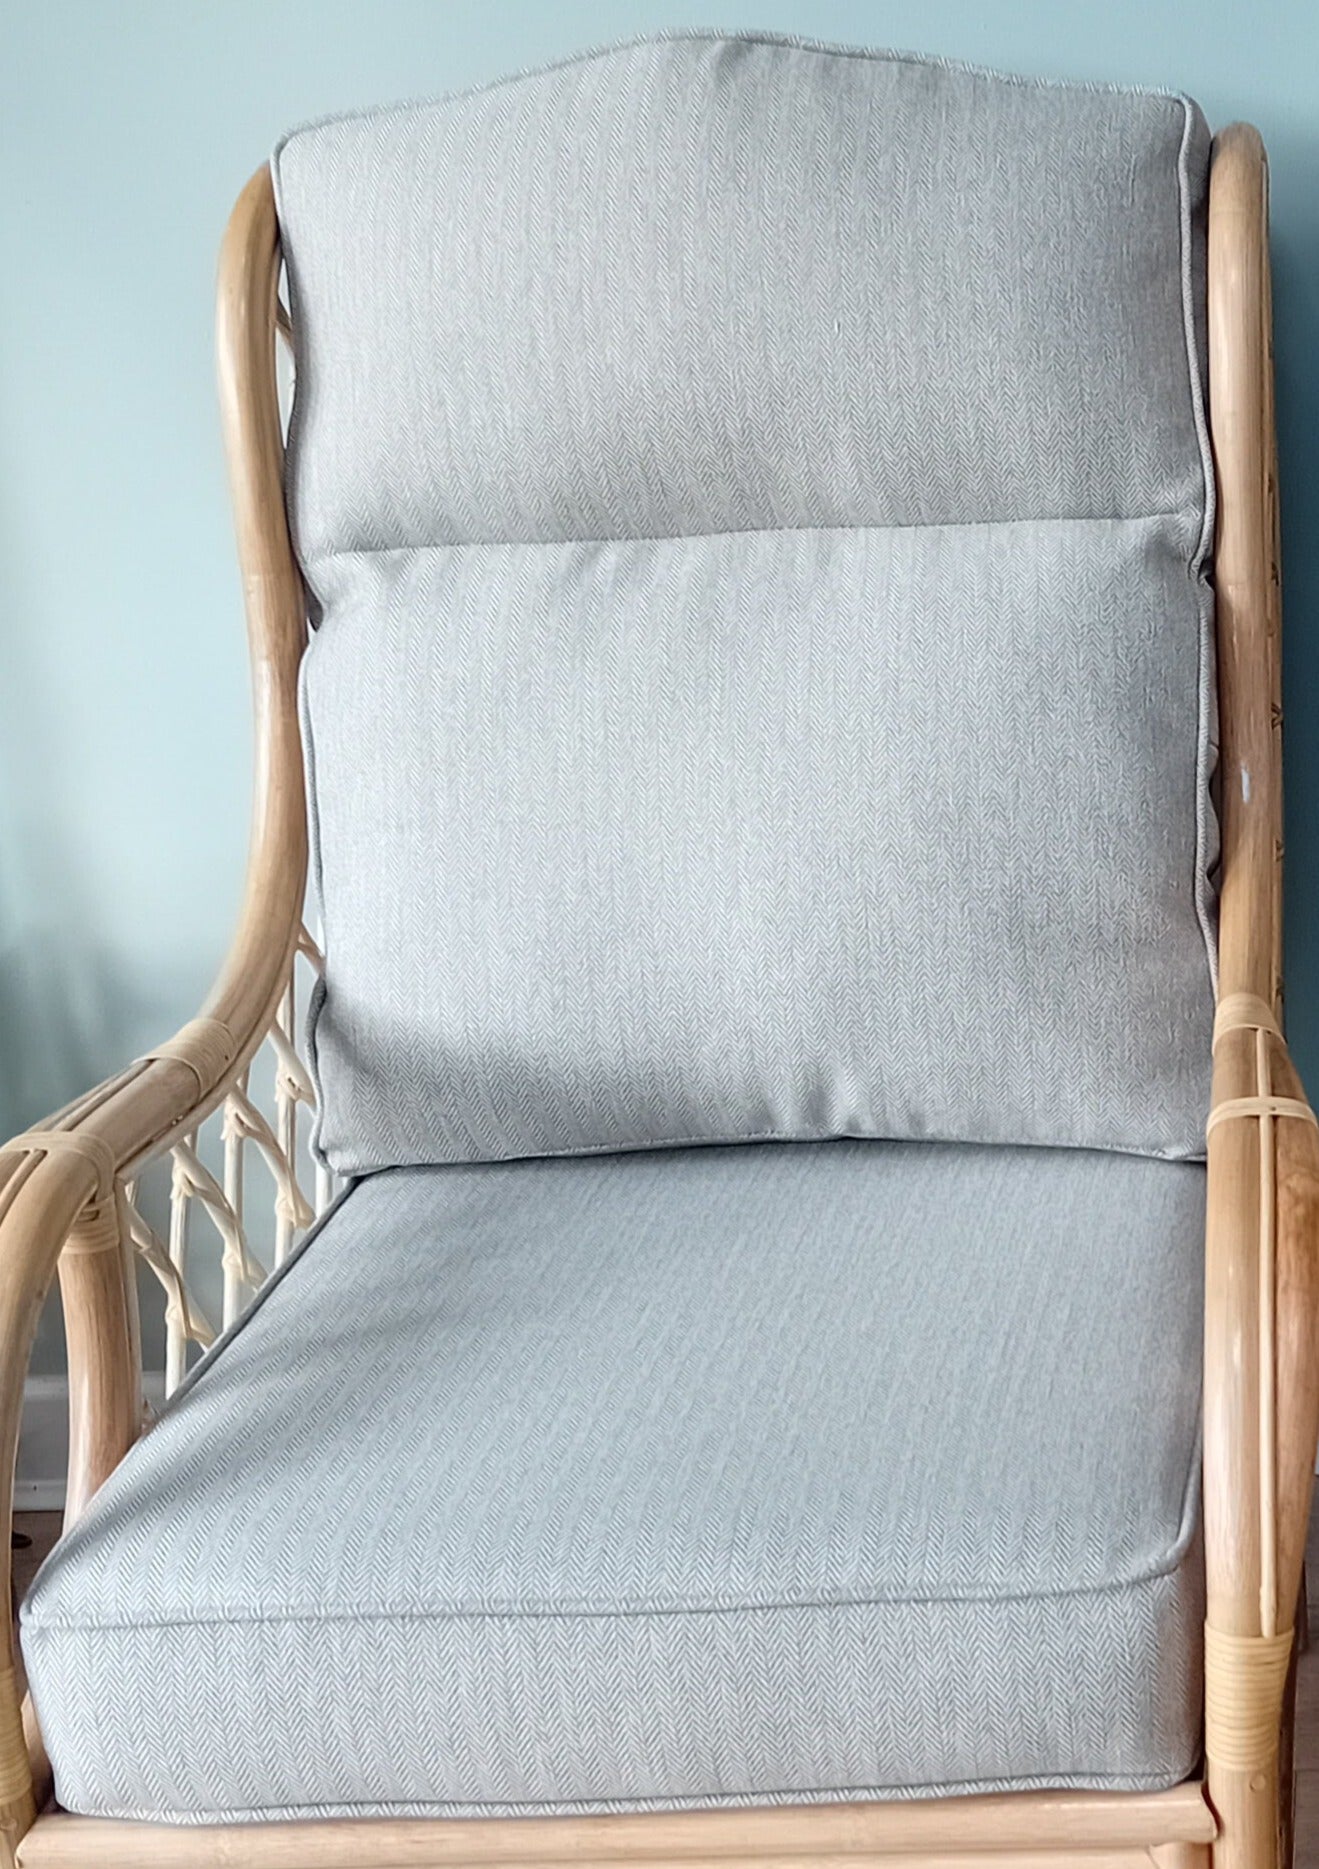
(1262, 1269)
(1092, 1829)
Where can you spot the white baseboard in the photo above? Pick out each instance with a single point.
(43, 1441)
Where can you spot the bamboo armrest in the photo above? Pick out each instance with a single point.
(61, 1182)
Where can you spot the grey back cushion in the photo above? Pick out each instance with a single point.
(755, 503)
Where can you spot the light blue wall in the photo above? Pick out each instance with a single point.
(126, 128)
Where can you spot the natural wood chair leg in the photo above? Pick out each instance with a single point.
(18, 1808)
(99, 1295)
(42, 1191)
(1246, 1804)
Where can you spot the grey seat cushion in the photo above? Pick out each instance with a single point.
(755, 501)
(733, 1474)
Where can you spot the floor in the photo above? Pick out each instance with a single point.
(42, 1528)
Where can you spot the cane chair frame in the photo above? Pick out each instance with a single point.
(65, 1206)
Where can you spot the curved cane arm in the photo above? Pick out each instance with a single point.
(61, 1185)
(1262, 1235)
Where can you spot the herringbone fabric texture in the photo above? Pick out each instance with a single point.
(755, 502)
(749, 868)
(802, 1471)
(711, 284)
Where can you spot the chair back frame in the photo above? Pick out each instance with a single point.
(58, 1206)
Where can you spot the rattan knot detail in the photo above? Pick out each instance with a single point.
(72, 1142)
(206, 1046)
(1245, 1680)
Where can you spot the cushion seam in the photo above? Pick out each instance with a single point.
(1138, 1584)
(327, 553)
(735, 1138)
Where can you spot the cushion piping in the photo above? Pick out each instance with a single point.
(714, 35)
(716, 1800)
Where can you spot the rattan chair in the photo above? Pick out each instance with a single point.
(72, 1197)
